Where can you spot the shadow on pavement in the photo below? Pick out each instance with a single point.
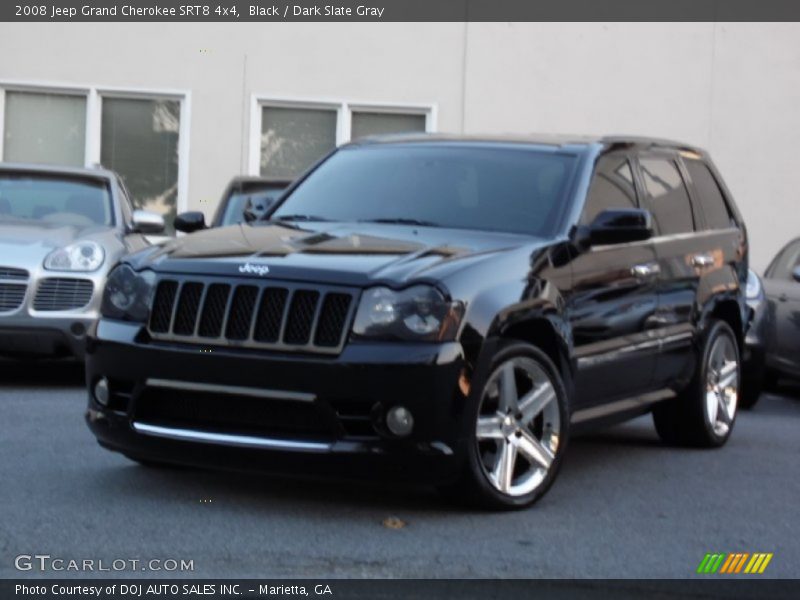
(41, 373)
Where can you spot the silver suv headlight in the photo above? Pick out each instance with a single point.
(81, 256)
(127, 294)
(418, 313)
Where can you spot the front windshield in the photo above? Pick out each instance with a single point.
(54, 200)
(508, 188)
(258, 201)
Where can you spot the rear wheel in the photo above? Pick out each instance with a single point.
(519, 431)
(704, 413)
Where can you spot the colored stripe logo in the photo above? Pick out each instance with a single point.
(734, 563)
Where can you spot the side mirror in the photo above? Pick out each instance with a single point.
(796, 274)
(187, 222)
(145, 221)
(620, 226)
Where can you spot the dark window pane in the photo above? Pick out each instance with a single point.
(668, 198)
(711, 199)
(519, 190)
(612, 187)
(259, 201)
(786, 262)
(139, 140)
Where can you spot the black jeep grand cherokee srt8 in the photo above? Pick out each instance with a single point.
(443, 310)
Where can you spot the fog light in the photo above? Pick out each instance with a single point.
(101, 391)
(400, 421)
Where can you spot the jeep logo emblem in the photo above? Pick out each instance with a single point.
(259, 270)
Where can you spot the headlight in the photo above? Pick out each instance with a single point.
(127, 294)
(418, 313)
(80, 256)
(753, 290)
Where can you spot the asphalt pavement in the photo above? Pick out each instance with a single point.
(624, 505)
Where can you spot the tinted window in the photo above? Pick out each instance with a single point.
(711, 199)
(786, 262)
(255, 200)
(502, 188)
(78, 202)
(612, 187)
(668, 198)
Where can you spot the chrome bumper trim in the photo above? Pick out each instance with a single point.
(193, 386)
(224, 439)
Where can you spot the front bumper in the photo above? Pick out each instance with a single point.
(331, 410)
(26, 331)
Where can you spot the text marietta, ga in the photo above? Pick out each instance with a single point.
(135, 589)
(327, 10)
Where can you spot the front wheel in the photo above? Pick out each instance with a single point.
(518, 431)
(704, 413)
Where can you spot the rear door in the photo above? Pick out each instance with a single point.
(698, 247)
(613, 300)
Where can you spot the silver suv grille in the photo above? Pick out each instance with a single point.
(12, 293)
(274, 315)
(63, 293)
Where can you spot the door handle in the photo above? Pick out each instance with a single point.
(645, 270)
(702, 260)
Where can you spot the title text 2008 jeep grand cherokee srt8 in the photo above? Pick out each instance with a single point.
(438, 309)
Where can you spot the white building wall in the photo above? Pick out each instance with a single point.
(732, 88)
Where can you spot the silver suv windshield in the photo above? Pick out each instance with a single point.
(52, 199)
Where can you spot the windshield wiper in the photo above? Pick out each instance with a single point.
(299, 218)
(402, 221)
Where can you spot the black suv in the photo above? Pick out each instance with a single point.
(445, 310)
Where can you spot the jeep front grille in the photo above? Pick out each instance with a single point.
(272, 315)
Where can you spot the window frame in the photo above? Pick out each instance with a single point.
(646, 199)
(94, 94)
(697, 198)
(344, 109)
(637, 186)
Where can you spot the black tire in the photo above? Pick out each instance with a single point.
(474, 486)
(684, 420)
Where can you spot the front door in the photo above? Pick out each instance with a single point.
(613, 299)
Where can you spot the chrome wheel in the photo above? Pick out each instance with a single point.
(517, 431)
(722, 385)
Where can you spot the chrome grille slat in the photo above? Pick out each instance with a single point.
(63, 293)
(13, 274)
(274, 315)
(12, 295)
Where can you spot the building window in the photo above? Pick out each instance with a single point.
(44, 128)
(139, 140)
(289, 136)
(141, 135)
(292, 139)
(377, 123)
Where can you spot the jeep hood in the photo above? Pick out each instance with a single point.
(341, 253)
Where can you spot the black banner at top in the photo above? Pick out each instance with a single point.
(398, 10)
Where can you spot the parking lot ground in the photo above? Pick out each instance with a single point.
(623, 506)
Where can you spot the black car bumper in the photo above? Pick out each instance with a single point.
(279, 412)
